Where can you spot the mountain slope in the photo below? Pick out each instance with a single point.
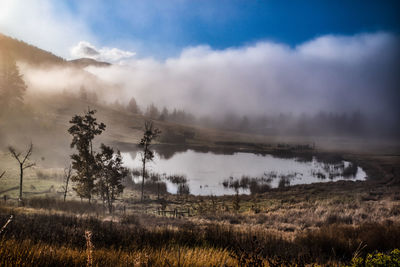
(22, 51)
(33, 55)
(85, 62)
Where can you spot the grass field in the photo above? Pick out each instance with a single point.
(309, 224)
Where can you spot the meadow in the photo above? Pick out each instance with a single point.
(324, 224)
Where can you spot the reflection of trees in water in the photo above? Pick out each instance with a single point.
(256, 185)
(167, 152)
(133, 154)
(350, 171)
(181, 182)
(324, 166)
(155, 182)
(333, 171)
(284, 181)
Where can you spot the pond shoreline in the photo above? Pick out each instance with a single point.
(376, 166)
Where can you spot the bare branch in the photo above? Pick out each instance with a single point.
(14, 153)
(2, 174)
(17, 155)
(29, 166)
(28, 154)
(23, 164)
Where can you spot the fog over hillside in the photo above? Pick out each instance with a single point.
(330, 73)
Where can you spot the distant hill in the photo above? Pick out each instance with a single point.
(33, 55)
(84, 62)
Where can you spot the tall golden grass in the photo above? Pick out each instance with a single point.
(28, 253)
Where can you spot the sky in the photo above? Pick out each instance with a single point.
(162, 29)
(250, 57)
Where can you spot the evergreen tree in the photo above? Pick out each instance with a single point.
(83, 130)
(152, 112)
(111, 174)
(133, 107)
(12, 86)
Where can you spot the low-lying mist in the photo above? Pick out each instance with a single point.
(330, 74)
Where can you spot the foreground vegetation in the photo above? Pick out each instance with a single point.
(326, 224)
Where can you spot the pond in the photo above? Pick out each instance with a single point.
(209, 173)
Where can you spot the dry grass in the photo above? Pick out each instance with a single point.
(306, 207)
(27, 253)
(52, 238)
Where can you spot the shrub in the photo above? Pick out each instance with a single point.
(378, 259)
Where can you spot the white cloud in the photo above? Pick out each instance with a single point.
(43, 24)
(86, 49)
(330, 73)
(345, 48)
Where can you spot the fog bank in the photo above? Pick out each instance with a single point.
(330, 73)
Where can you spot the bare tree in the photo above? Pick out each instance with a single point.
(150, 134)
(67, 176)
(24, 163)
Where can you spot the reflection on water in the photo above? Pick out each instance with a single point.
(207, 171)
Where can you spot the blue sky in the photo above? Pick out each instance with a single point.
(204, 56)
(165, 27)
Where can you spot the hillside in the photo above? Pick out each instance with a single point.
(22, 51)
(33, 55)
(84, 62)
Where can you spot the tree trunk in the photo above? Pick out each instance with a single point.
(66, 189)
(143, 174)
(21, 177)
(109, 201)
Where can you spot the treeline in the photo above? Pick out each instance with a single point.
(322, 123)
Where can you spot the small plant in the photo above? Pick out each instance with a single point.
(378, 259)
(89, 248)
(236, 202)
(5, 225)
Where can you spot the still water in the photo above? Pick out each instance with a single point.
(206, 171)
